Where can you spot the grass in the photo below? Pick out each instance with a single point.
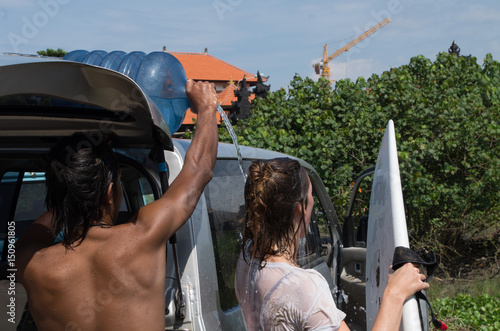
(482, 284)
(470, 302)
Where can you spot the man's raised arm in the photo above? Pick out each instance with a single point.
(165, 216)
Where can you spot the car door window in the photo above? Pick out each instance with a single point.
(31, 200)
(226, 205)
(22, 193)
(315, 250)
(22, 200)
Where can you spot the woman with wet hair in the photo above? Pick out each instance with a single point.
(274, 293)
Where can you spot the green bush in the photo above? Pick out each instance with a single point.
(446, 117)
(469, 313)
(53, 53)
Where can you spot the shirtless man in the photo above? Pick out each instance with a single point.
(112, 277)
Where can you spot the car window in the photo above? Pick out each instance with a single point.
(22, 200)
(224, 195)
(146, 190)
(311, 252)
(321, 221)
(31, 200)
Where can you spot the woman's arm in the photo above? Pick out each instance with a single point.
(402, 284)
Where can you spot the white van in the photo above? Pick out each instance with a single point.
(44, 100)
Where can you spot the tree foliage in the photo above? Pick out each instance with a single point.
(53, 53)
(446, 117)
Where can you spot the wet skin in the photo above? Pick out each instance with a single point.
(115, 279)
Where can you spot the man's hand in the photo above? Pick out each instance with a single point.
(202, 96)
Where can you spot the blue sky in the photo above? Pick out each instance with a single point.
(279, 38)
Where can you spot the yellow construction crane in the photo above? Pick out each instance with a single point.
(324, 67)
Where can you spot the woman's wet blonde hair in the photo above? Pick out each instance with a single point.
(273, 190)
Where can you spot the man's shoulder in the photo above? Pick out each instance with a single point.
(41, 266)
(46, 258)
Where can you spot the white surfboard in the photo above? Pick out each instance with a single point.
(386, 230)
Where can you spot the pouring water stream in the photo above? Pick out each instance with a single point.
(234, 138)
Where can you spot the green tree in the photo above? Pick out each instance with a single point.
(53, 53)
(446, 116)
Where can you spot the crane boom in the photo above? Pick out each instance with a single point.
(326, 59)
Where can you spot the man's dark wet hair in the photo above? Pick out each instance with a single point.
(79, 171)
(273, 190)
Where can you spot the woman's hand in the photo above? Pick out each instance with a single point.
(406, 281)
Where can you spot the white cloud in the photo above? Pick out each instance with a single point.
(350, 69)
(353, 69)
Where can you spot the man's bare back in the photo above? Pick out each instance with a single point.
(114, 279)
(106, 283)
